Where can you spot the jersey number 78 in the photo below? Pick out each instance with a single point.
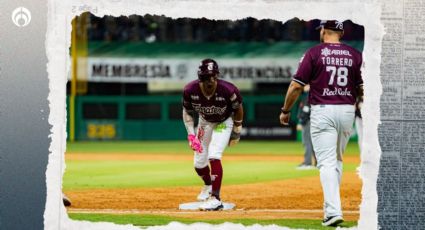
(341, 75)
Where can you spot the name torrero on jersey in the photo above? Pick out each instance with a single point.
(337, 61)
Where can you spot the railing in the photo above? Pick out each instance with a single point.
(154, 117)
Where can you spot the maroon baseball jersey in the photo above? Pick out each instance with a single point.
(219, 107)
(333, 72)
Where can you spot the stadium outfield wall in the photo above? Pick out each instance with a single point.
(176, 63)
(166, 68)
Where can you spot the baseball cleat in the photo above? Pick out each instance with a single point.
(212, 204)
(66, 200)
(332, 221)
(205, 193)
(305, 167)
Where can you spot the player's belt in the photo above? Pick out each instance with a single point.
(220, 121)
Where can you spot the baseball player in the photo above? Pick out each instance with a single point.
(66, 200)
(219, 105)
(333, 71)
(304, 120)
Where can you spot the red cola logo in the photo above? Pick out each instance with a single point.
(336, 91)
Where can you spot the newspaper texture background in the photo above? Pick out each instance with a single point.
(401, 181)
(400, 184)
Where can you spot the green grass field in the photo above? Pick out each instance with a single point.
(181, 147)
(161, 173)
(85, 174)
(152, 220)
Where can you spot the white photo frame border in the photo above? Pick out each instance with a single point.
(58, 40)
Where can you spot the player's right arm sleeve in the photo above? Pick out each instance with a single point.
(235, 99)
(187, 101)
(303, 74)
(187, 111)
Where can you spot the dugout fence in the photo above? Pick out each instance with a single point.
(159, 118)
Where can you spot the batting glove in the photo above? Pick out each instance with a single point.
(235, 136)
(194, 143)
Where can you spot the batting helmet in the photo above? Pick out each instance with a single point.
(207, 68)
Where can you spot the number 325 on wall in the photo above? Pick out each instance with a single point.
(102, 131)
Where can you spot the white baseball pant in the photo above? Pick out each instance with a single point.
(331, 127)
(214, 138)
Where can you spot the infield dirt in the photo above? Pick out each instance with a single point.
(293, 198)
